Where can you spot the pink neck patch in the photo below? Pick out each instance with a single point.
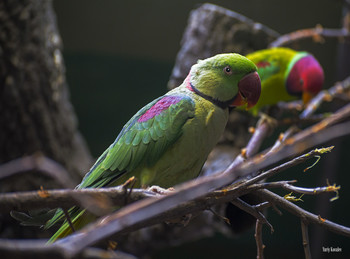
(188, 82)
(159, 106)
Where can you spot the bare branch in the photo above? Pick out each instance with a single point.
(113, 196)
(258, 239)
(306, 216)
(306, 242)
(311, 191)
(264, 127)
(39, 163)
(252, 211)
(284, 166)
(329, 94)
(37, 249)
(316, 34)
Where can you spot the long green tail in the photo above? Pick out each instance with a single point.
(79, 220)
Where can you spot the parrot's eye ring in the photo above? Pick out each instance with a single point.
(228, 70)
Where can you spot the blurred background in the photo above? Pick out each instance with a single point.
(119, 56)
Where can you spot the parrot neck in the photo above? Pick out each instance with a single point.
(192, 88)
(222, 105)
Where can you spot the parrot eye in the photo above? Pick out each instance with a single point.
(228, 70)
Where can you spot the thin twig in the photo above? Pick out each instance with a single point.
(303, 214)
(262, 206)
(252, 211)
(39, 163)
(290, 106)
(306, 242)
(284, 166)
(337, 89)
(300, 121)
(336, 117)
(47, 166)
(258, 239)
(282, 137)
(315, 33)
(311, 191)
(264, 126)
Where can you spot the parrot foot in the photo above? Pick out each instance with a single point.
(160, 190)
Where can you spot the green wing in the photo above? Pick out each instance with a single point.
(142, 141)
(267, 66)
(271, 62)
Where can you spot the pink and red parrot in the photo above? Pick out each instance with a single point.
(286, 75)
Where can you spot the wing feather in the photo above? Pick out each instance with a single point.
(138, 142)
(144, 141)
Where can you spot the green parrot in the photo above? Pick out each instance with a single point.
(286, 75)
(168, 140)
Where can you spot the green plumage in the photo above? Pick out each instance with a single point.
(274, 66)
(168, 140)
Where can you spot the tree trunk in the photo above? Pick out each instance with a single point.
(36, 114)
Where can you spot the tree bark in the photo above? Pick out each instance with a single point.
(212, 30)
(36, 113)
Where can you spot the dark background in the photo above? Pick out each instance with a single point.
(119, 56)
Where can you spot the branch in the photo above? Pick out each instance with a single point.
(306, 216)
(148, 209)
(264, 127)
(306, 242)
(107, 197)
(37, 162)
(316, 34)
(258, 239)
(158, 209)
(267, 124)
(37, 249)
(329, 94)
(311, 191)
(284, 166)
(252, 211)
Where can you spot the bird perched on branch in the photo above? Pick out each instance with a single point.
(286, 75)
(168, 140)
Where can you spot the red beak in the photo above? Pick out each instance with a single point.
(249, 90)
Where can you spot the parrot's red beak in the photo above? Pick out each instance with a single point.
(249, 90)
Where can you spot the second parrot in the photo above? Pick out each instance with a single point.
(286, 75)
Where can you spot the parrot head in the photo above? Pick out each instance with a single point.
(228, 79)
(304, 76)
